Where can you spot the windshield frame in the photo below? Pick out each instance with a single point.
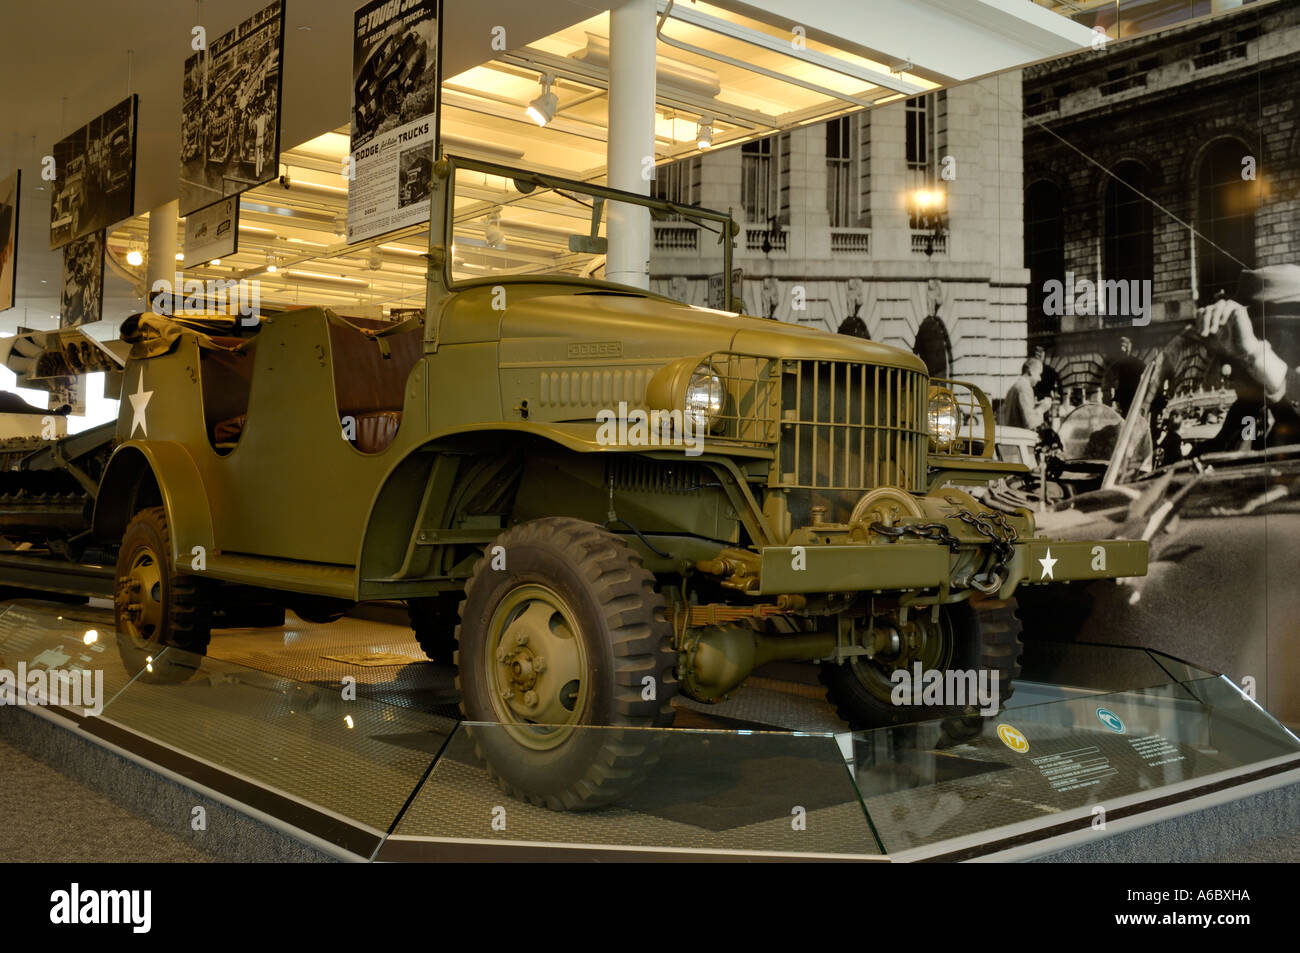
(443, 212)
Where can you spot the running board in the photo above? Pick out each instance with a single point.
(51, 574)
(317, 579)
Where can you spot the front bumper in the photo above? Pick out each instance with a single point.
(891, 567)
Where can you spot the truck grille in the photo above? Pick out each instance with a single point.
(851, 426)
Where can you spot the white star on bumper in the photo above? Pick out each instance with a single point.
(1047, 562)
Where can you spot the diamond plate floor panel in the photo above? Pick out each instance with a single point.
(699, 796)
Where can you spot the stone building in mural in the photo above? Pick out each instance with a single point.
(838, 224)
(1102, 166)
(1172, 159)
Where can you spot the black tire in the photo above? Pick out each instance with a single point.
(318, 612)
(434, 620)
(174, 613)
(1056, 613)
(582, 590)
(993, 647)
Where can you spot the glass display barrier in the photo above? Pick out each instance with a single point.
(719, 791)
(1089, 729)
(968, 781)
(40, 638)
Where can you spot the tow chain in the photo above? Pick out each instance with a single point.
(1002, 535)
(935, 531)
(992, 525)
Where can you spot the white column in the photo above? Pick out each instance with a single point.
(161, 265)
(631, 137)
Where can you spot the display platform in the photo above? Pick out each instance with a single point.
(339, 736)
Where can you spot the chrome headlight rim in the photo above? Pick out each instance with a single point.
(942, 417)
(704, 397)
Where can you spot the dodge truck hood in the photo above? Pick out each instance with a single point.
(546, 324)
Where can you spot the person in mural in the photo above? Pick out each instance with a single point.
(1260, 341)
(1050, 383)
(1020, 408)
(1123, 376)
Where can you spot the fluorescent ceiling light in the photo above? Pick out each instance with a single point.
(319, 276)
(402, 251)
(681, 76)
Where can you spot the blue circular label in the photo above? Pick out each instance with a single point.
(1110, 720)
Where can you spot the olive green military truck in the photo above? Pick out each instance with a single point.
(596, 497)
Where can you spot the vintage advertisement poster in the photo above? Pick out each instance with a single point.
(94, 184)
(395, 63)
(230, 111)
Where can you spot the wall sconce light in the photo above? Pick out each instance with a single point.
(928, 211)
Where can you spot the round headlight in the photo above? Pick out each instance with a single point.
(943, 417)
(705, 396)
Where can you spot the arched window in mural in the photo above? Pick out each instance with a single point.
(1225, 219)
(1044, 251)
(932, 346)
(1127, 247)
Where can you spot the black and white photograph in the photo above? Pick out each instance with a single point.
(396, 63)
(230, 111)
(94, 184)
(395, 88)
(724, 431)
(10, 192)
(83, 281)
(414, 173)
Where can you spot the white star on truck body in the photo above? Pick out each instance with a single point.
(1047, 563)
(139, 401)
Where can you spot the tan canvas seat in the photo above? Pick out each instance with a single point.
(368, 386)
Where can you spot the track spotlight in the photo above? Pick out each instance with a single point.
(492, 233)
(542, 109)
(704, 133)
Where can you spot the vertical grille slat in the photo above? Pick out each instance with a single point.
(851, 426)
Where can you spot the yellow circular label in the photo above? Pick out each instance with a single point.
(1013, 739)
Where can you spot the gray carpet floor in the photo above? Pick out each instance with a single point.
(50, 817)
